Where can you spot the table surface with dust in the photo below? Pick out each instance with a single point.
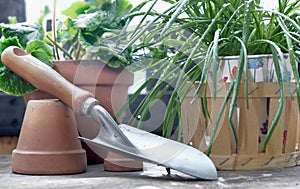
(152, 177)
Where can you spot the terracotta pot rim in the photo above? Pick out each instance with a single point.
(93, 72)
(99, 62)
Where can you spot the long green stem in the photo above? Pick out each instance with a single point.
(144, 17)
(218, 119)
(142, 32)
(232, 108)
(175, 104)
(215, 63)
(60, 48)
(276, 52)
(205, 70)
(294, 68)
(235, 84)
(213, 22)
(174, 16)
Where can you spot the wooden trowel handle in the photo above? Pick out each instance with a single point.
(43, 77)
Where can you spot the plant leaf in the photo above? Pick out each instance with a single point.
(76, 9)
(41, 51)
(89, 22)
(10, 82)
(25, 32)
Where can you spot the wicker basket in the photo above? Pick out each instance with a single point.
(251, 124)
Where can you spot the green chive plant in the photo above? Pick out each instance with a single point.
(190, 37)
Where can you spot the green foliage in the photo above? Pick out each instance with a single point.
(41, 51)
(24, 32)
(97, 29)
(76, 9)
(92, 29)
(30, 38)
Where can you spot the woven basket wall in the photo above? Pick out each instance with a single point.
(251, 125)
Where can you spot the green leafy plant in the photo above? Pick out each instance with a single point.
(215, 28)
(29, 37)
(97, 30)
(92, 29)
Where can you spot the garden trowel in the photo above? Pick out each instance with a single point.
(122, 139)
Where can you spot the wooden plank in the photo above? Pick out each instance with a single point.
(263, 121)
(193, 122)
(222, 142)
(292, 121)
(275, 144)
(205, 129)
(198, 139)
(249, 123)
(8, 144)
(298, 134)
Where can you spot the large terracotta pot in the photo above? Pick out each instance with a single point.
(110, 87)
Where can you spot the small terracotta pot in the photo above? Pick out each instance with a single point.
(118, 163)
(48, 141)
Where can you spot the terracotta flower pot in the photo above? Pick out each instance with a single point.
(110, 87)
(48, 142)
